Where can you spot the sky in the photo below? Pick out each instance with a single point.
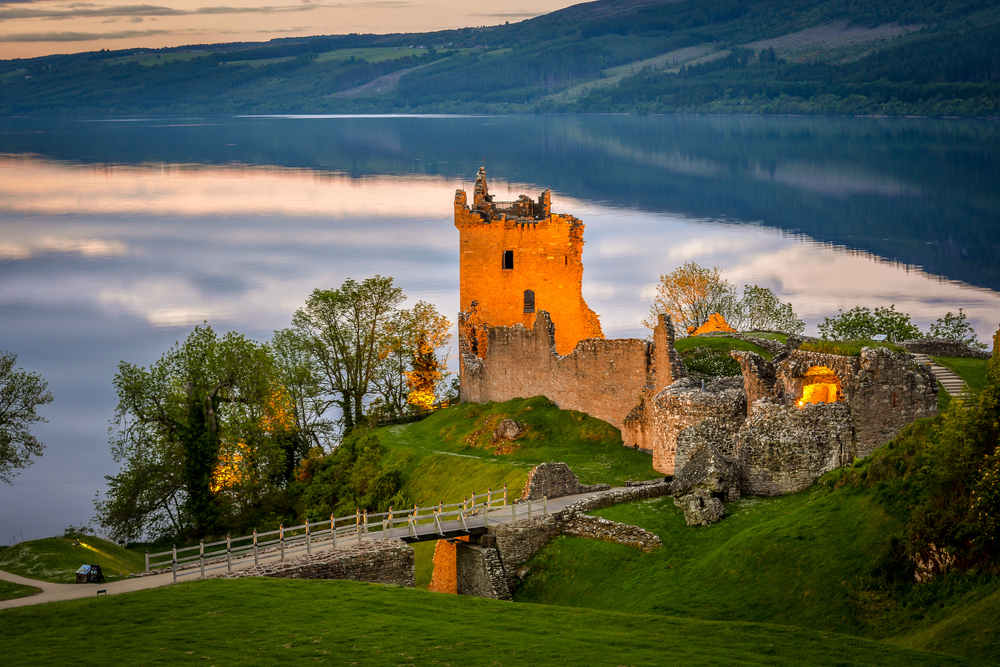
(30, 28)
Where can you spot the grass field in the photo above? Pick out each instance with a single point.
(280, 622)
(56, 559)
(9, 591)
(719, 343)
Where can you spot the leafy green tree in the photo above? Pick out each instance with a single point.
(346, 333)
(202, 433)
(760, 310)
(299, 377)
(860, 323)
(956, 327)
(20, 393)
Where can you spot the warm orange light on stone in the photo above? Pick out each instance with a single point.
(715, 322)
(445, 577)
(508, 249)
(820, 385)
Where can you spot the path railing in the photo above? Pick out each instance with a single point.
(472, 512)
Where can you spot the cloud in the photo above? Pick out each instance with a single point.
(81, 10)
(78, 36)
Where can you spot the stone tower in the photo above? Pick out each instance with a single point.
(517, 258)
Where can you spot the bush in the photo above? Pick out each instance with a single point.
(863, 323)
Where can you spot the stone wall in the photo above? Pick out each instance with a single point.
(783, 447)
(444, 578)
(942, 347)
(387, 561)
(684, 415)
(891, 390)
(596, 528)
(554, 480)
(518, 541)
(480, 572)
(603, 378)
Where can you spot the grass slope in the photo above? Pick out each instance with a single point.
(278, 622)
(56, 559)
(9, 591)
(451, 454)
(788, 560)
(972, 371)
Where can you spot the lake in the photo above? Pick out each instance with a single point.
(118, 237)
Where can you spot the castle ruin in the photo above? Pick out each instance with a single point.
(525, 331)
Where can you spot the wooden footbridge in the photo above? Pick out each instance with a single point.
(471, 516)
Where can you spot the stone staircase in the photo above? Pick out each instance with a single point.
(952, 384)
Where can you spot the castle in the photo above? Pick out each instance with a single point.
(525, 331)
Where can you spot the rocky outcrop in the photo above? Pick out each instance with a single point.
(508, 430)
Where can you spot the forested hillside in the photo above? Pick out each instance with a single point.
(926, 57)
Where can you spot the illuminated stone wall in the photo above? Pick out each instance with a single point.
(603, 378)
(545, 257)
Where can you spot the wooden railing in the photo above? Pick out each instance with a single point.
(353, 528)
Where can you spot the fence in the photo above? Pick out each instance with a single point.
(352, 528)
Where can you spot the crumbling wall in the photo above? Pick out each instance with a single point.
(890, 390)
(444, 578)
(712, 414)
(942, 347)
(518, 541)
(603, 378)
(783, 447)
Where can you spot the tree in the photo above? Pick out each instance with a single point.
(20, 393)
(202, 434)
(428, 333)
(345, 333)
(300, 379)
(956, 327)
(761, 310)
(861, 323)
(690, 295)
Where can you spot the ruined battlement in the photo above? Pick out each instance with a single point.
(516, 258)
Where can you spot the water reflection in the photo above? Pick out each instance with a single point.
(116, 238)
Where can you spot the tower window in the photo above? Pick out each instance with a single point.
(529, 301)
(508, 259)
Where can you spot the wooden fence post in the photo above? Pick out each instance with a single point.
(147, 560)
(529, 507)
(333, 530)
(308, 539)
(175, 564)
(255, 561)
(281, 539)
(201, 559)
(545, 506)
(504, 494)
(229, 554)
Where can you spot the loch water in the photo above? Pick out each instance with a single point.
(117, 237)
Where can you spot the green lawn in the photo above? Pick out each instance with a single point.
(804, 560)
(451, 455)
(56, 559)
(973, 371)
(281, 622)
(9, 591)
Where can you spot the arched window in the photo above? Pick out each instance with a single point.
(529, 301)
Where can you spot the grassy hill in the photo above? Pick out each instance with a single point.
(278, 622)
(451, 454)
(56, 559)
(627, 56)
